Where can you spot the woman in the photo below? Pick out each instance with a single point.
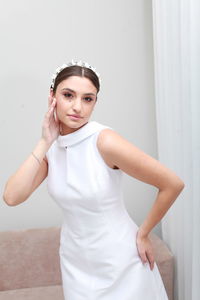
(104, 255)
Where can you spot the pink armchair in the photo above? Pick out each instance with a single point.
(30, 270)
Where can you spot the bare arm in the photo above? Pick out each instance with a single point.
(29, 175)
(130, 159)
(140, 165)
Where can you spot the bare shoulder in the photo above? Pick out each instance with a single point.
(106, 138)
(110, 142)
(123, 154)
(108, 133)
(104, 141)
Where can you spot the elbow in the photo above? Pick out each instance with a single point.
(10, 196)
(177, 186)
(174, 187)
(8, 200)
(180, 185)
(13, 201)
(7, 197)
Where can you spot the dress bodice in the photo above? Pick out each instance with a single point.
(78, 173)
(98, 253)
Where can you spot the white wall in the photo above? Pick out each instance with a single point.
(38, 36)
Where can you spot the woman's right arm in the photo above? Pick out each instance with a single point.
(28, 177)
(31, 173)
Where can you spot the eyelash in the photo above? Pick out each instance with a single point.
(85, 97)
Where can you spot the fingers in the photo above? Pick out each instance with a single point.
(49, 113)
(50, 98)
(49, 101)
(52, 102)
(143, 256)
(150, 258)
(55, 116)
(146, 254)
(147, 257)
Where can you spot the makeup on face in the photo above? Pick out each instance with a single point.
(85, 94)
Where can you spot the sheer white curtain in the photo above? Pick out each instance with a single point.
(176, 30)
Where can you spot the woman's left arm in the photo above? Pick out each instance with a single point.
(136, 163)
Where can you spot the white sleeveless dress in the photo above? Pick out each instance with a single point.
(98, 254)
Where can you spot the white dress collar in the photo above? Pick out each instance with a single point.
(80, 134)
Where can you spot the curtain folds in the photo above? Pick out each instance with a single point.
(176, 33)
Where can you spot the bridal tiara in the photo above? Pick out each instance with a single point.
(72, 63)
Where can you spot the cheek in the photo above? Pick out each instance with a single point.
(60, 111)
(61, 106)
(92, 106)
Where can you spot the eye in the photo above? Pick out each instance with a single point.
(67, 94)
(88, 98)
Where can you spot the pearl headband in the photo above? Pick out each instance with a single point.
(72, 63)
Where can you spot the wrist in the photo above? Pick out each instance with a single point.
(44, 143)
(141, 233)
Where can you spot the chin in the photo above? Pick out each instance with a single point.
(76, 123)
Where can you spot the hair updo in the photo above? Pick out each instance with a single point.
(77, 71)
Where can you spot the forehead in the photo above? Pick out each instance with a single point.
(78, 84)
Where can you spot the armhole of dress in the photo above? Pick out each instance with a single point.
(99, 154)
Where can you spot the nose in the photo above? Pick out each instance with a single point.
(77, 104)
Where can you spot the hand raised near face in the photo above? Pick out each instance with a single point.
(51, 124)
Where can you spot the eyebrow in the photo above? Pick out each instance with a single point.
(67, 89)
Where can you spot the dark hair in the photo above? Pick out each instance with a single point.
(77, 71)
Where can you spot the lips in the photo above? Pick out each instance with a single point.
(77, 116)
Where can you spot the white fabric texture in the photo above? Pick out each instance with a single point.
(98, 254)
(176, 28)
